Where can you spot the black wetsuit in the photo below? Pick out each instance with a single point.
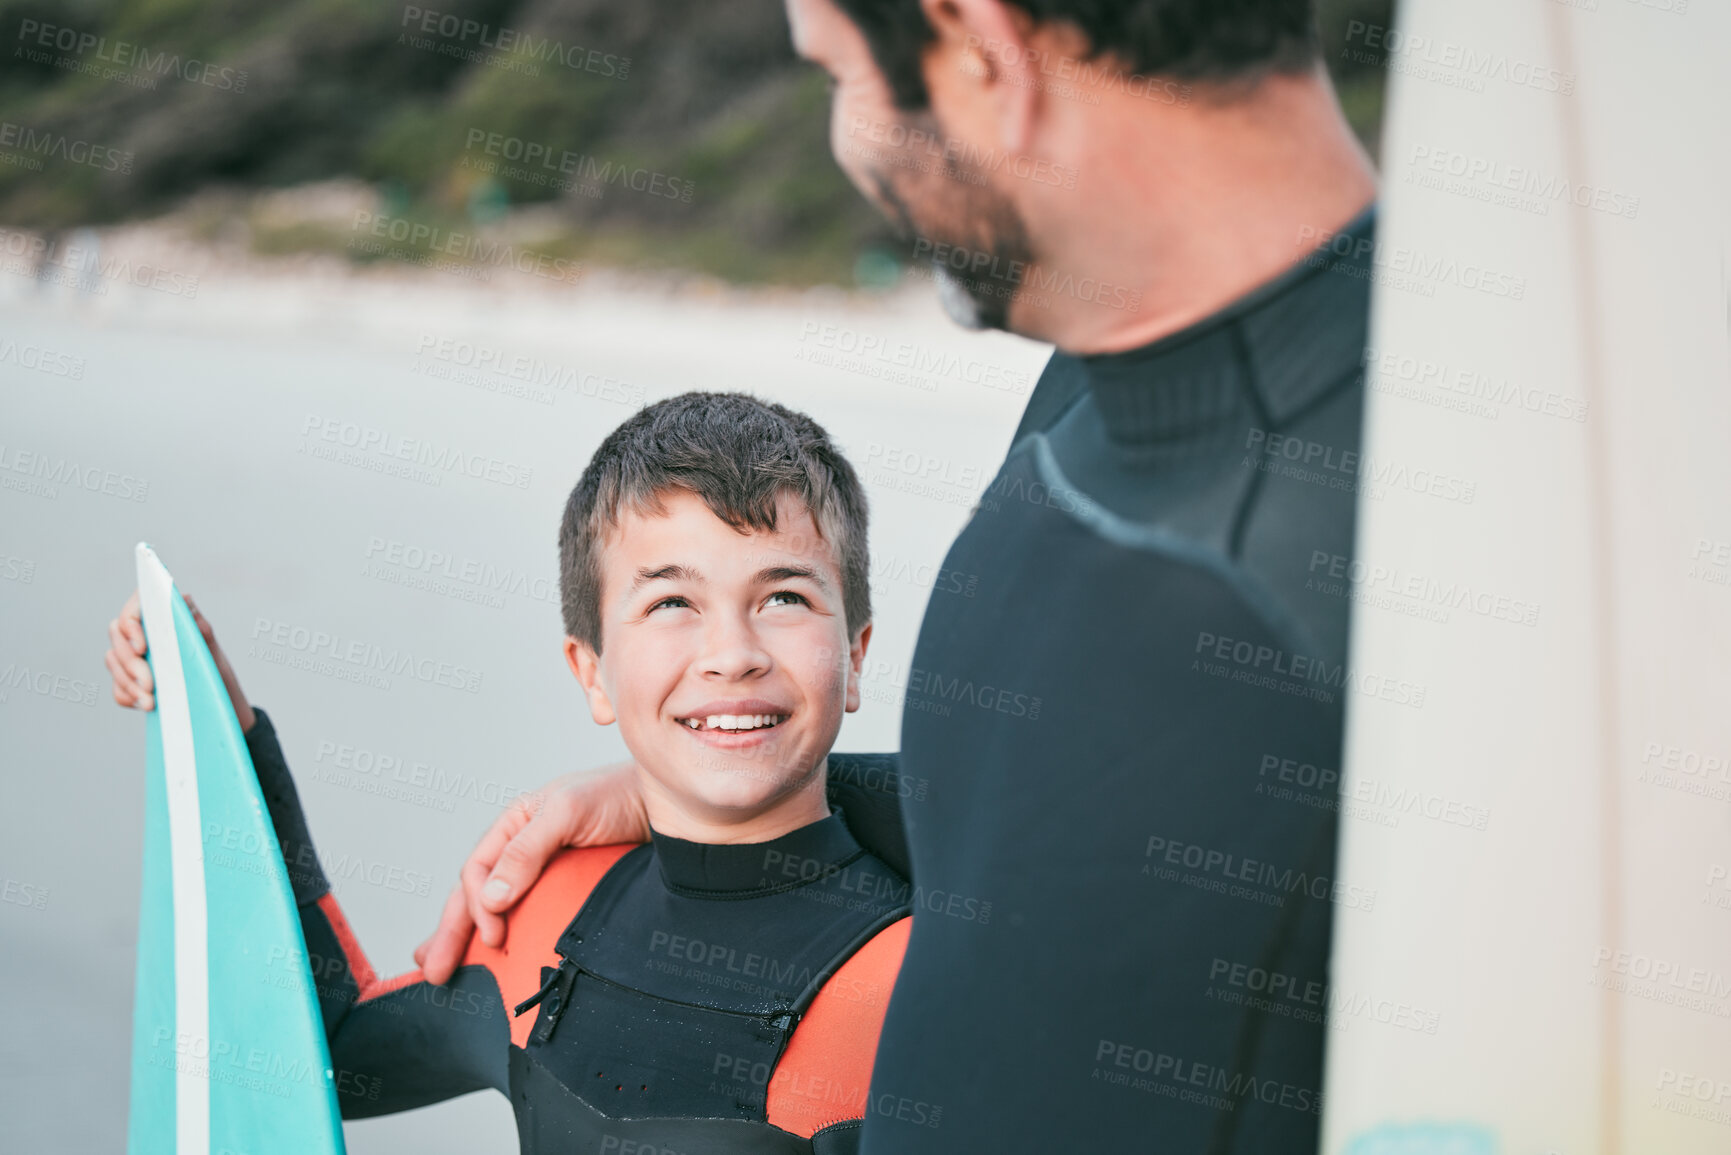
(1104, 743)
(663, 1019)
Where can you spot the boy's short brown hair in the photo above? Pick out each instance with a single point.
(736, 453)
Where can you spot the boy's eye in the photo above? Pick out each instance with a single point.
(795, 599)
(669, 601)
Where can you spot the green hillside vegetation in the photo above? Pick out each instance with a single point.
(654, 134)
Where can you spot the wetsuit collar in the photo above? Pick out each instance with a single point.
(797, 858)
(1265, 356)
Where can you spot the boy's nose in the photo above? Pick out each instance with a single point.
(733, 650)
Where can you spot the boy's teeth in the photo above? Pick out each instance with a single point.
(734, 721)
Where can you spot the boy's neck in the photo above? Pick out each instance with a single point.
(680, 817)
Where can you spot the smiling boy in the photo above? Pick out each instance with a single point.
(720, 988)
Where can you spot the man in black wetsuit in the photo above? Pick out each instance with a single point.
(1166, 190)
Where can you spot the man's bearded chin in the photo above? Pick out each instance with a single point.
(992, 227)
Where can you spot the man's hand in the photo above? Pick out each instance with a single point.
(592, 808)
(133, 685)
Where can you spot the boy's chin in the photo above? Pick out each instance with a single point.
(744, 801)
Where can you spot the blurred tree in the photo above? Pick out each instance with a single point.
(667, 133)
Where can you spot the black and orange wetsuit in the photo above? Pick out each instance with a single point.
(672, 996)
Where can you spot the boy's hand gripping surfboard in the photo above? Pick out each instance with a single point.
(228, 1049)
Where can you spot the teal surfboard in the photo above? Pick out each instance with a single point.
(228, 1050)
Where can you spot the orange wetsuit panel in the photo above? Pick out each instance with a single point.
(825, 1073)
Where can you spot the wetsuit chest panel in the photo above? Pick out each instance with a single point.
(679, 1000)
(633, 1054)
(757, 952)
(552, 1120)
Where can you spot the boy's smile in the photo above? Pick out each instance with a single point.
(726, 661)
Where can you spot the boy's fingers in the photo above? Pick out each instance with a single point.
(124, 689)
(438, 956)
(132, 623)
(127, 691)
(137, 670)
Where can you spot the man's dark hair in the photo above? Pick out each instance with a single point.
(739, 455)
(1208, 41)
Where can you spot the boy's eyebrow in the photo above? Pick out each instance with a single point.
(781, 573)
(671, 573)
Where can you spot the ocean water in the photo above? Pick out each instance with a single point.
(324, 459)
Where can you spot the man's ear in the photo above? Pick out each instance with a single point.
(986, 43)
(855, 664)
(586, 664)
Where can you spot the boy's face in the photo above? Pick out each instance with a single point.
(725, 656)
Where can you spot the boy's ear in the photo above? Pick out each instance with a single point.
(586, 664)
(855, 663)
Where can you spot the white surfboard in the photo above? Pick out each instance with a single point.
(1547, 970)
